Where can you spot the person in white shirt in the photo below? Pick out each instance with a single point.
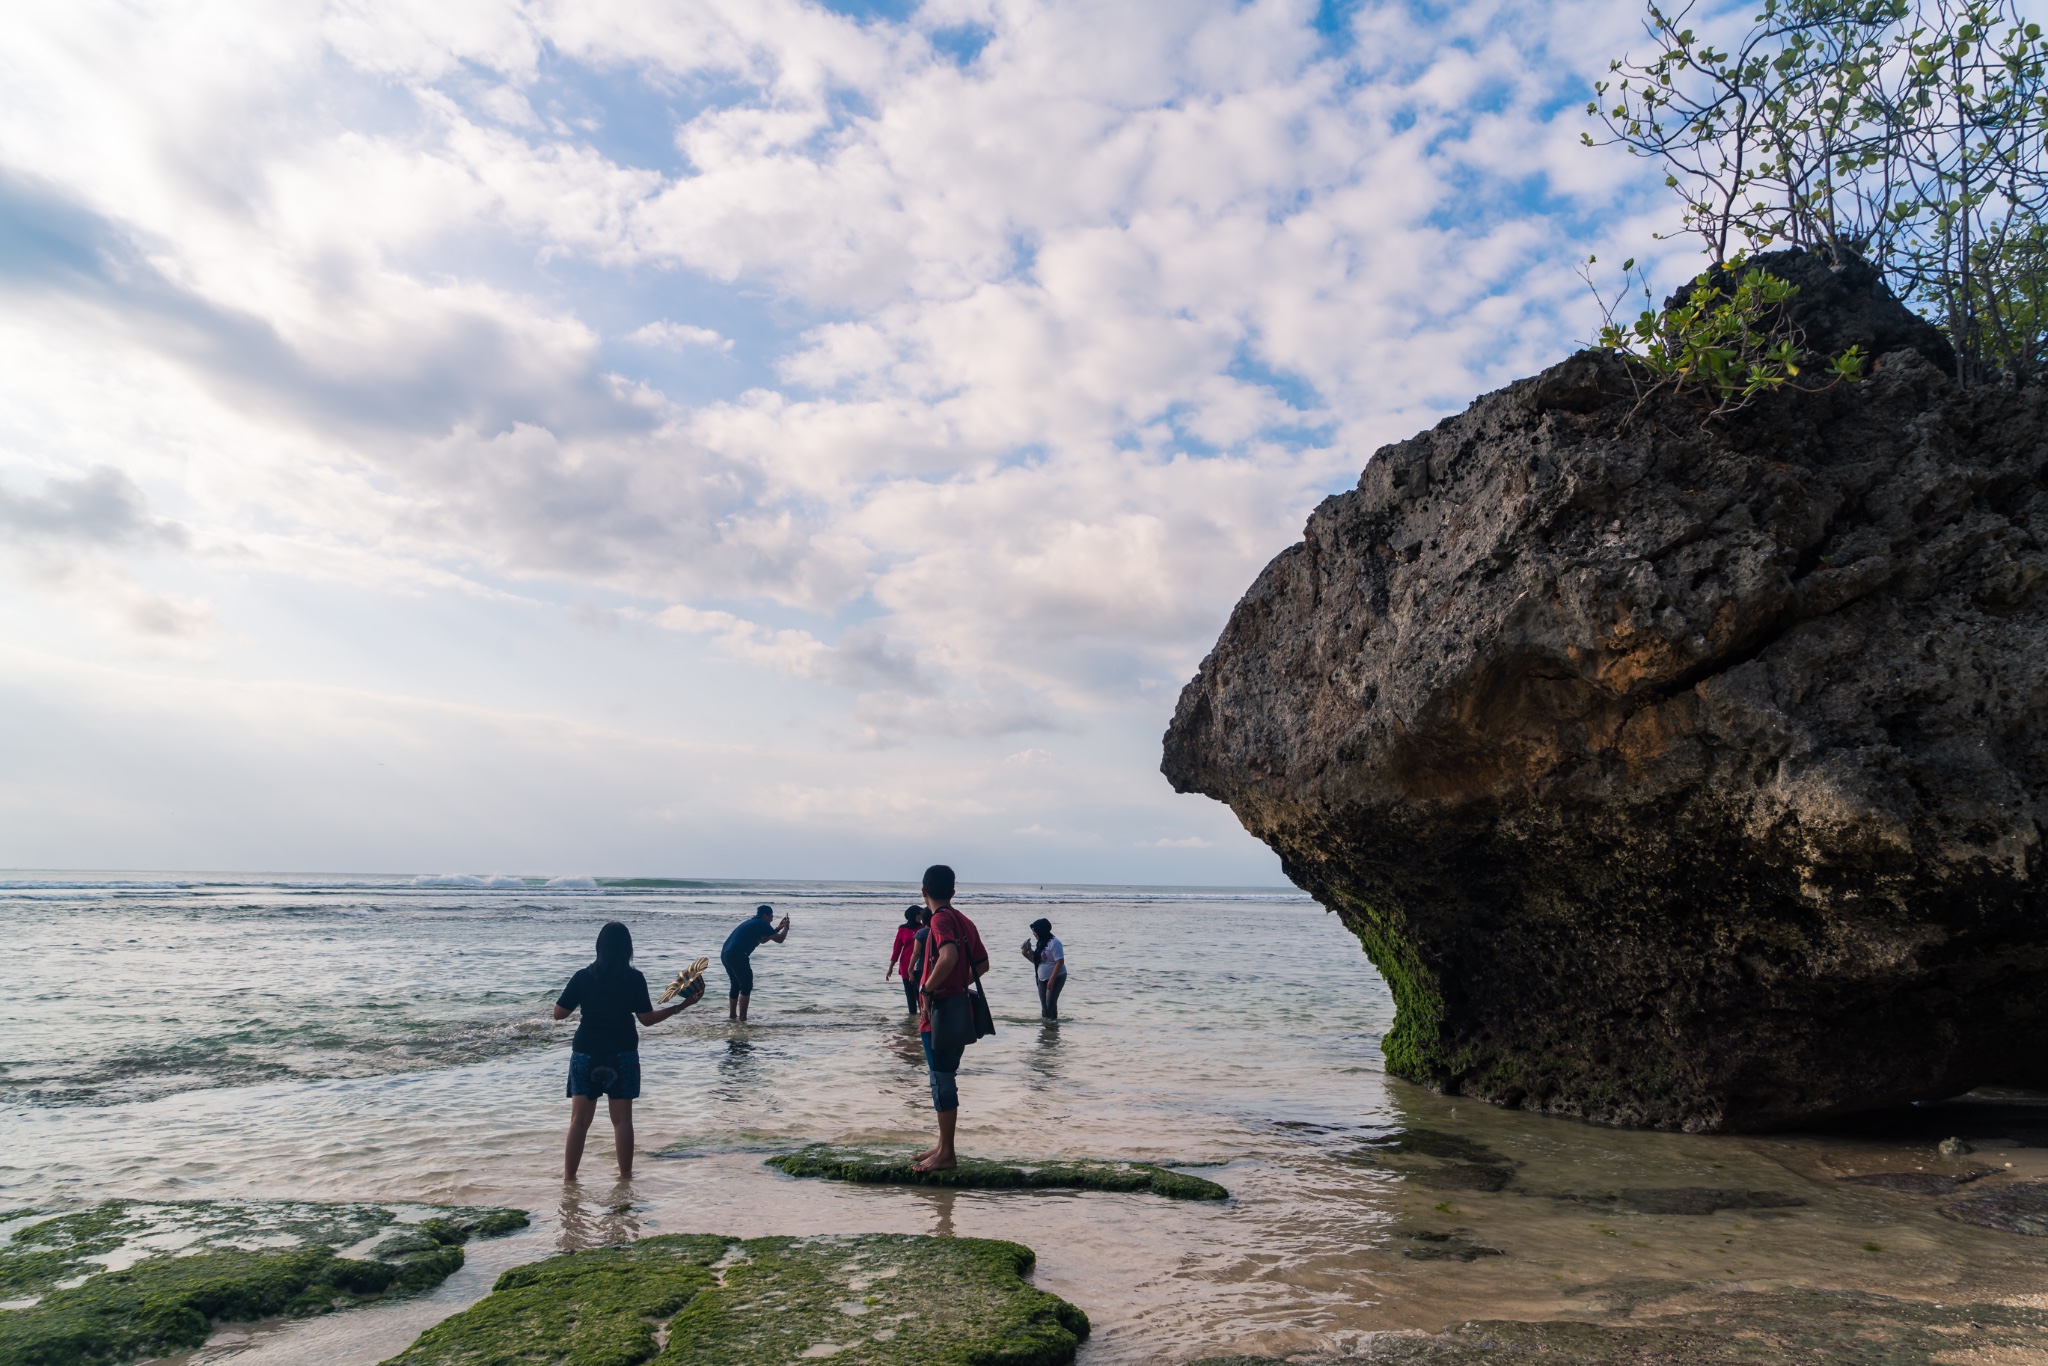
(1049, 957)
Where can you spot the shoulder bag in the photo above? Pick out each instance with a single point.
(966, 1018)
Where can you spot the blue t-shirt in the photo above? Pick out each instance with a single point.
(745, 938)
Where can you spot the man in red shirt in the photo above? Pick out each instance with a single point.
(953, 958)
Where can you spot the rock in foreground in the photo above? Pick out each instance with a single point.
(1674, 775)
(878, 1299)
(130, 1279)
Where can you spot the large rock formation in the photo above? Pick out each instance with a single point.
(1675, 774)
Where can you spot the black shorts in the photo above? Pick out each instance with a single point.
(742, 974)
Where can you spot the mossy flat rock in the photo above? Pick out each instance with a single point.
(867, 1167)
(158, 1275)
(875, 1299)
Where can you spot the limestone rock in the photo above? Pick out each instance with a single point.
(1674, 774)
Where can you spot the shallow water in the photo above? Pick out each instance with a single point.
(378, 1040)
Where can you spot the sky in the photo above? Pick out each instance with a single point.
(726, 438)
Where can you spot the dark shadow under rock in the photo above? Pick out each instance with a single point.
(1702, 1200)
(1694, 1200)
(1460, 1176)
(1441, 1161)
(2019, 1209)
(1436, 1143)
(1431, 1246)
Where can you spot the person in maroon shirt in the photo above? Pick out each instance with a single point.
(953, 958)
(903, 951)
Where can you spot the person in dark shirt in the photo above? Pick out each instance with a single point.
(738, 953)
(604, 1058)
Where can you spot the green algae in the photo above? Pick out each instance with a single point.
(880, 1299)
(128, 1279)
(866, 1167)
(1414, 1047)
(594, 1308)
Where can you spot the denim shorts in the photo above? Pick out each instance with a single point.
(605, 1074)
(742, 974)
(943, 1063)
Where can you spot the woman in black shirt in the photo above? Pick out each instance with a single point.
(604, 1059)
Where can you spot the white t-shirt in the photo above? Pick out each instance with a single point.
(1050, 959)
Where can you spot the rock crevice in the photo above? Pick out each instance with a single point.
(1676, 774)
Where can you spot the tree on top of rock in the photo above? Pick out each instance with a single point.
(1910, 135)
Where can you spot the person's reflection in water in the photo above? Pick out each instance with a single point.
(903, 1042)
(1044, 1060)
(735, 1070)
(590, 1222)
(941, 1202)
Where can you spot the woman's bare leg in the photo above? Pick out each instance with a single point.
(582, 1109)
(622, 1134)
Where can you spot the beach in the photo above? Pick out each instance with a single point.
(384, 1039)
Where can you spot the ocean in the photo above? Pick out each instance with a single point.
(386, 1039)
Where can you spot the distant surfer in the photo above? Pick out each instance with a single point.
(738, 954)
(903, 951)
(1048, 959)
(604, 1058)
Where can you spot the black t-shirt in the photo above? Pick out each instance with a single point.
(609, 1001)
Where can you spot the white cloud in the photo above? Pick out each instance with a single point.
(1024, 365)
(676, 336)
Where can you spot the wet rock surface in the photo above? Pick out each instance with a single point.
(707, 1300)
(1676, 775)
(1673, 1325)
(864, 1166)
(130, 1279)
(2013, 1209)
(1697, 1201)
(1918, 1183)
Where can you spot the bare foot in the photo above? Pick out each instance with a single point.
(937, 1162)
(927, 1155)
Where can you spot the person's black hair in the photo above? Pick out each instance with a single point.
(764, 910)
(938, 880)
(911, 913)
(614, 947)
(1043, 929)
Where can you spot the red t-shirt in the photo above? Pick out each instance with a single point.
(951, 927)
(899, 953)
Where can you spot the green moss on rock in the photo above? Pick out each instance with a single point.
(191, 1264)
(697, 1300)
(867, 1167)
(1414, 1048)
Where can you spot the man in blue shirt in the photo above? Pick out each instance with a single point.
(738, 953)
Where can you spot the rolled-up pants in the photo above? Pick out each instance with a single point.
(943, 1063)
